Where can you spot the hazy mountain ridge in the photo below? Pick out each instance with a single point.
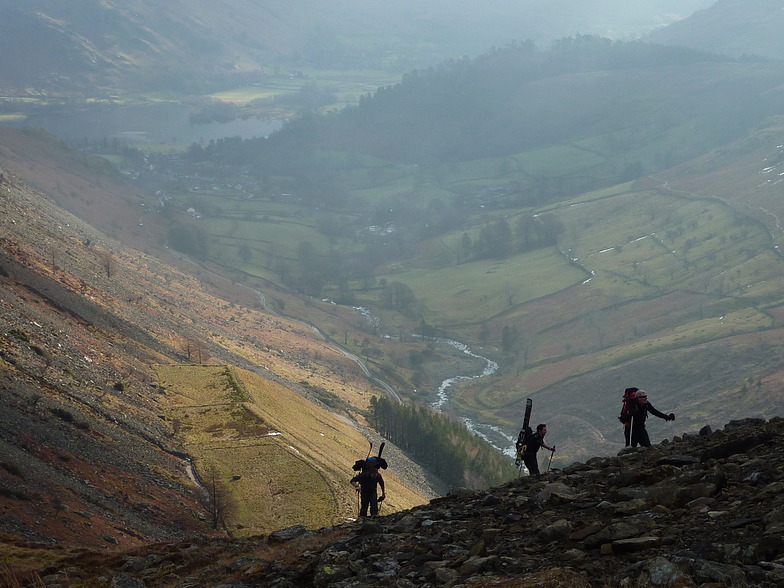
(517, 99)
(91, 47)
(730, 27)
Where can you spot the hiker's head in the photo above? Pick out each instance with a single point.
(642, 396)
(373, 472)
(541, 429)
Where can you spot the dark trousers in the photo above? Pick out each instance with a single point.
(368, 499)
(532, 463)
(640, 437)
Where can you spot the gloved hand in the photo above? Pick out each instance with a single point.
(382, 497)
(671, 416)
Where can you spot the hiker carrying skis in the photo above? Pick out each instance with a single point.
(532, 444)
(638, 411)
(365, 483)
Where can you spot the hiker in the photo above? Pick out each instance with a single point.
(638, 411)
(365, 483)
(625, 416)
(531, 447)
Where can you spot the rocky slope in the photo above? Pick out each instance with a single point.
(87, 455)
(703, 509)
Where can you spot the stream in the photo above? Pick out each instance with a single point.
(493, 434)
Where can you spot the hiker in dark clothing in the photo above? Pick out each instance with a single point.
(531, 447)
(626, 417)
(365, 483)
(638, 410)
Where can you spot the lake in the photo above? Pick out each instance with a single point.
(158, 122)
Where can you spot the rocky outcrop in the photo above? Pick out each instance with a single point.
(702, 510)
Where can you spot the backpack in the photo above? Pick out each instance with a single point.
(524, 438)
(628, 398)
(374, 462)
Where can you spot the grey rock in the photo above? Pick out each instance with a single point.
(287, 534)
(126, 581)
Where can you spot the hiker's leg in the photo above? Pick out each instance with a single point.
(532, 464)
(373, 505)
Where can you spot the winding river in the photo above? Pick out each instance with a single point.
(493, 434)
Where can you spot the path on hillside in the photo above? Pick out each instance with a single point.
(353, 357)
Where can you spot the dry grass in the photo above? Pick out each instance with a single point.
(283, 460)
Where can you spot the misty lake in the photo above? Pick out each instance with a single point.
(158, 122)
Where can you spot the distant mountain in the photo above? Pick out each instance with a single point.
(93, 46)
(730, 27)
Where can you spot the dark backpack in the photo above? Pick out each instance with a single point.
(628, 398)
(370, 463)
(524, 438)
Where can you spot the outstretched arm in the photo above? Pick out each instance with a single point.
(660, 414)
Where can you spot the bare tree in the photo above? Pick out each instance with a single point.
(195, 350)
(109, 263)
(218, 499)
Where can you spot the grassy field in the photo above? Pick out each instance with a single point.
(476, 291)
(277, 459)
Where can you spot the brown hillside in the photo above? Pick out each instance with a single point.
(88, 455)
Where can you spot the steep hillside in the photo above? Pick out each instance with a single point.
(730, 27)
(698, 510)
(90, 452)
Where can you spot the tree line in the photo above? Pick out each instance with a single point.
(440, 444)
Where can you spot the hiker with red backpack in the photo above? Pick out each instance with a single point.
(634, 414)
(626, 417)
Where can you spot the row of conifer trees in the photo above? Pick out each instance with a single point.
(443, 445)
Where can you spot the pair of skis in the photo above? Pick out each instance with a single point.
(380, 450)
(524, 433)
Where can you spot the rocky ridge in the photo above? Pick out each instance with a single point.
(701, 509)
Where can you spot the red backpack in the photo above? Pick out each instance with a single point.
(628, 397)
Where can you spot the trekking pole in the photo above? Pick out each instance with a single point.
(520, 461)
(551, 458)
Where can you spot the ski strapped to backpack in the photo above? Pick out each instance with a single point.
(525, 433)
(369, 462)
